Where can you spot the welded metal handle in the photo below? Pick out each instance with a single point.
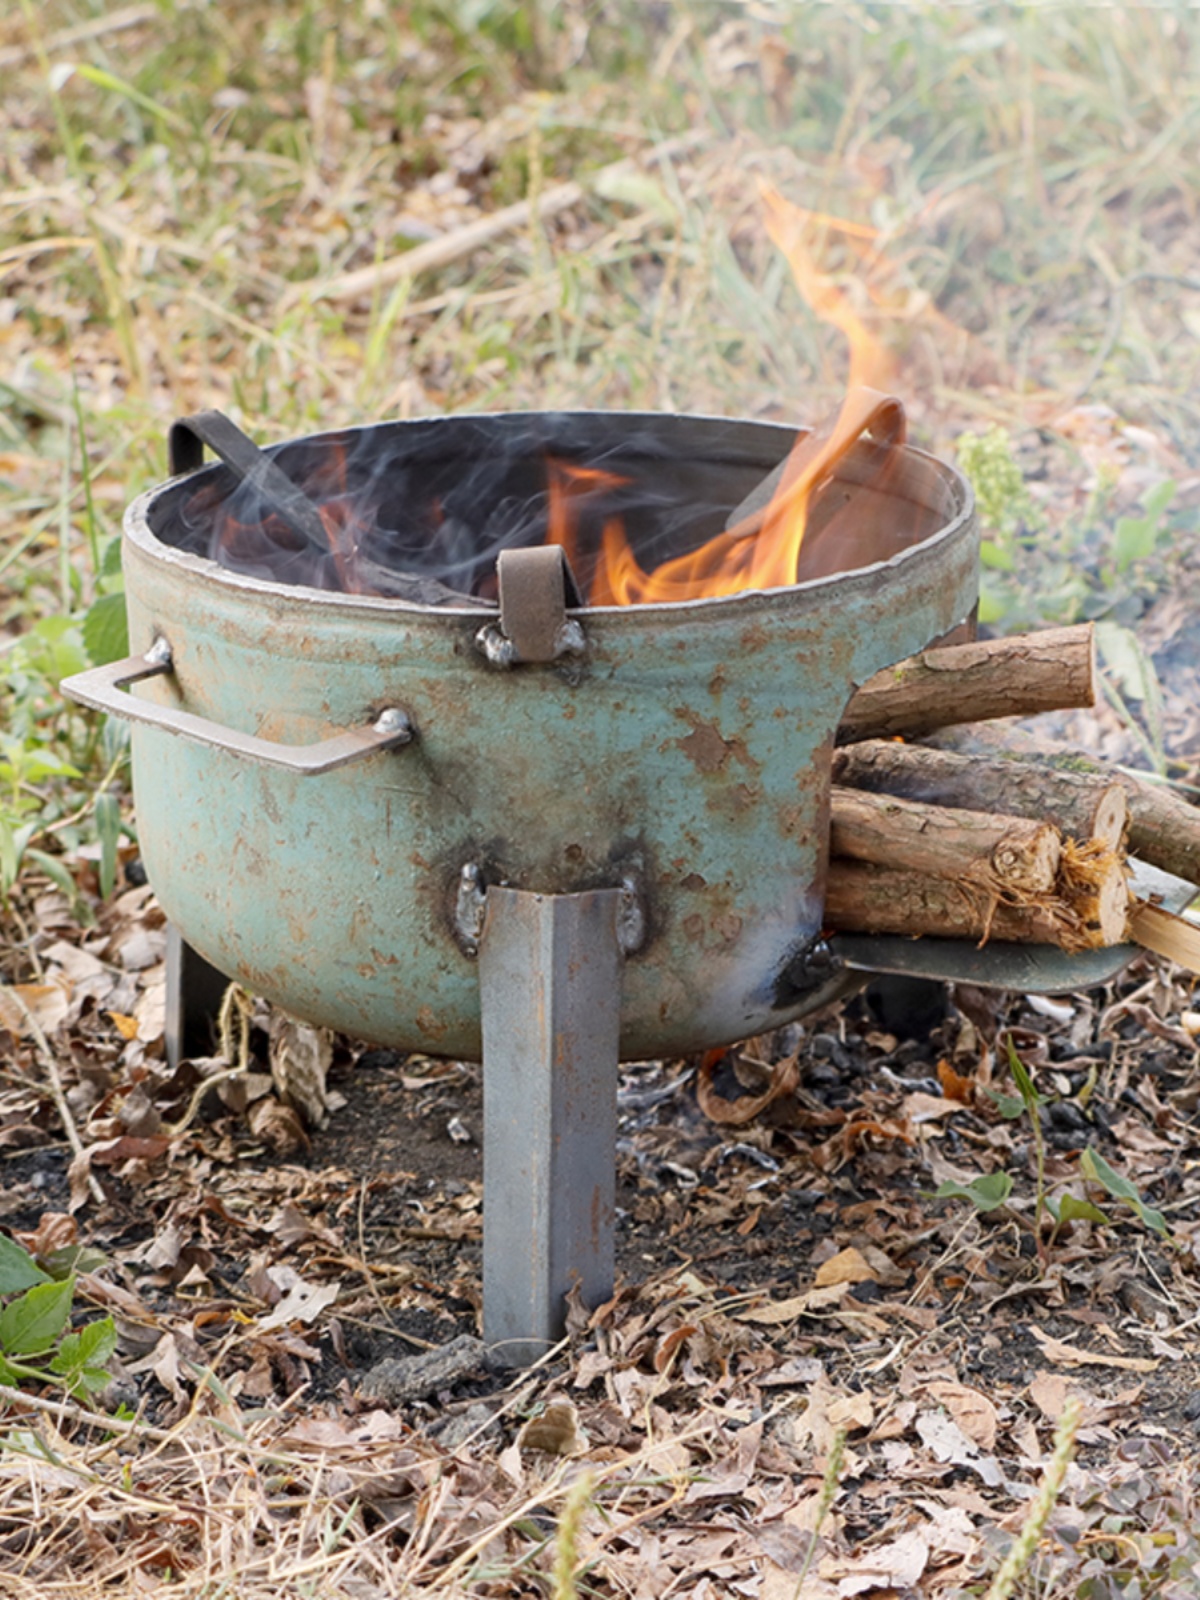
(100, 688)
(256, 469)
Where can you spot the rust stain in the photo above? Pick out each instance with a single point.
(734, 803)
(793, 823)
(694, 881)
(705, 747)
(426, 1019)
(715, 932)
(708, 749)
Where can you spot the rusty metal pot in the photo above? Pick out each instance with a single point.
(681, 752)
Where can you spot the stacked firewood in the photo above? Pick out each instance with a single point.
(1017, 840)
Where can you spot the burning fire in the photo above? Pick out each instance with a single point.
(762, 549)
(432, 546)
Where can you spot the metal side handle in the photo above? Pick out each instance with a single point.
(101, 687)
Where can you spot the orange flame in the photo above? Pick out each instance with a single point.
(762, 550)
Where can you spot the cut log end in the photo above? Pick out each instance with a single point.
(1026, 858)
(1093, 881)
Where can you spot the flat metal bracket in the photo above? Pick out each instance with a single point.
(550, 985)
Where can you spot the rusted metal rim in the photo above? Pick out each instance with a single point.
(812, 592)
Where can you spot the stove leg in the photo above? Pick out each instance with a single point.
(550, 981)
(195, 990)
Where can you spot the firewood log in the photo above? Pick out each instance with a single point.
(1080, 805)
(1164, 828)
(1051, 670)
(999, 854)
(1088, 910)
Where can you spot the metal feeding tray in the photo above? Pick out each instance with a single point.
(469, 812)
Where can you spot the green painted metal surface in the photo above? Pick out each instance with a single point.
(689, 752)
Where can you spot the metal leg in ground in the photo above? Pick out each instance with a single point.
(195, 990)
(550, 977)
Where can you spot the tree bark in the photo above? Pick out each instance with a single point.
(1164, 828)
(1000, 854)
(1080, 805)
(863, 898)
(1047, 671)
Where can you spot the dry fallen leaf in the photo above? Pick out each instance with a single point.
(46, 1003)
(300, 1057)
(303, 1302)
(785, 1075)
(555, 1431)
(1071, 1355)
(973, 1411)
(278, 1126)
(897, 1565)
(779, 1311)
(848, 1266)
(945, 1439)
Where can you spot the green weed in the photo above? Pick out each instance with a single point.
(37, 1344)
(993, 1190)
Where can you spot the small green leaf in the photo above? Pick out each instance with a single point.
(110, 560)
(1155, 501)
(993, 606)
(1122, 653)
(91, 1347)
(984, 1193)
(1093, 1165)
(30, 1325)
(106, 630)
(18, 1269)
(70, 1258)
(90, 1380)
(107, 813)
(1016, 1066)
(1010, 1106)
(1134, 539)
(38, 764)
(626, 187)
(1071, 1209)
(120, 86)
(996, 557)
(55, 869)
(10, 855)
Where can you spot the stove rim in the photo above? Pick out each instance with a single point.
(138, 532)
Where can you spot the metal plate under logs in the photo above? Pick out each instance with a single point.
(1023, 968)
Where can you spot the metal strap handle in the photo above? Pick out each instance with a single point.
(185, 452)
(536, 587)
(100, 688)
